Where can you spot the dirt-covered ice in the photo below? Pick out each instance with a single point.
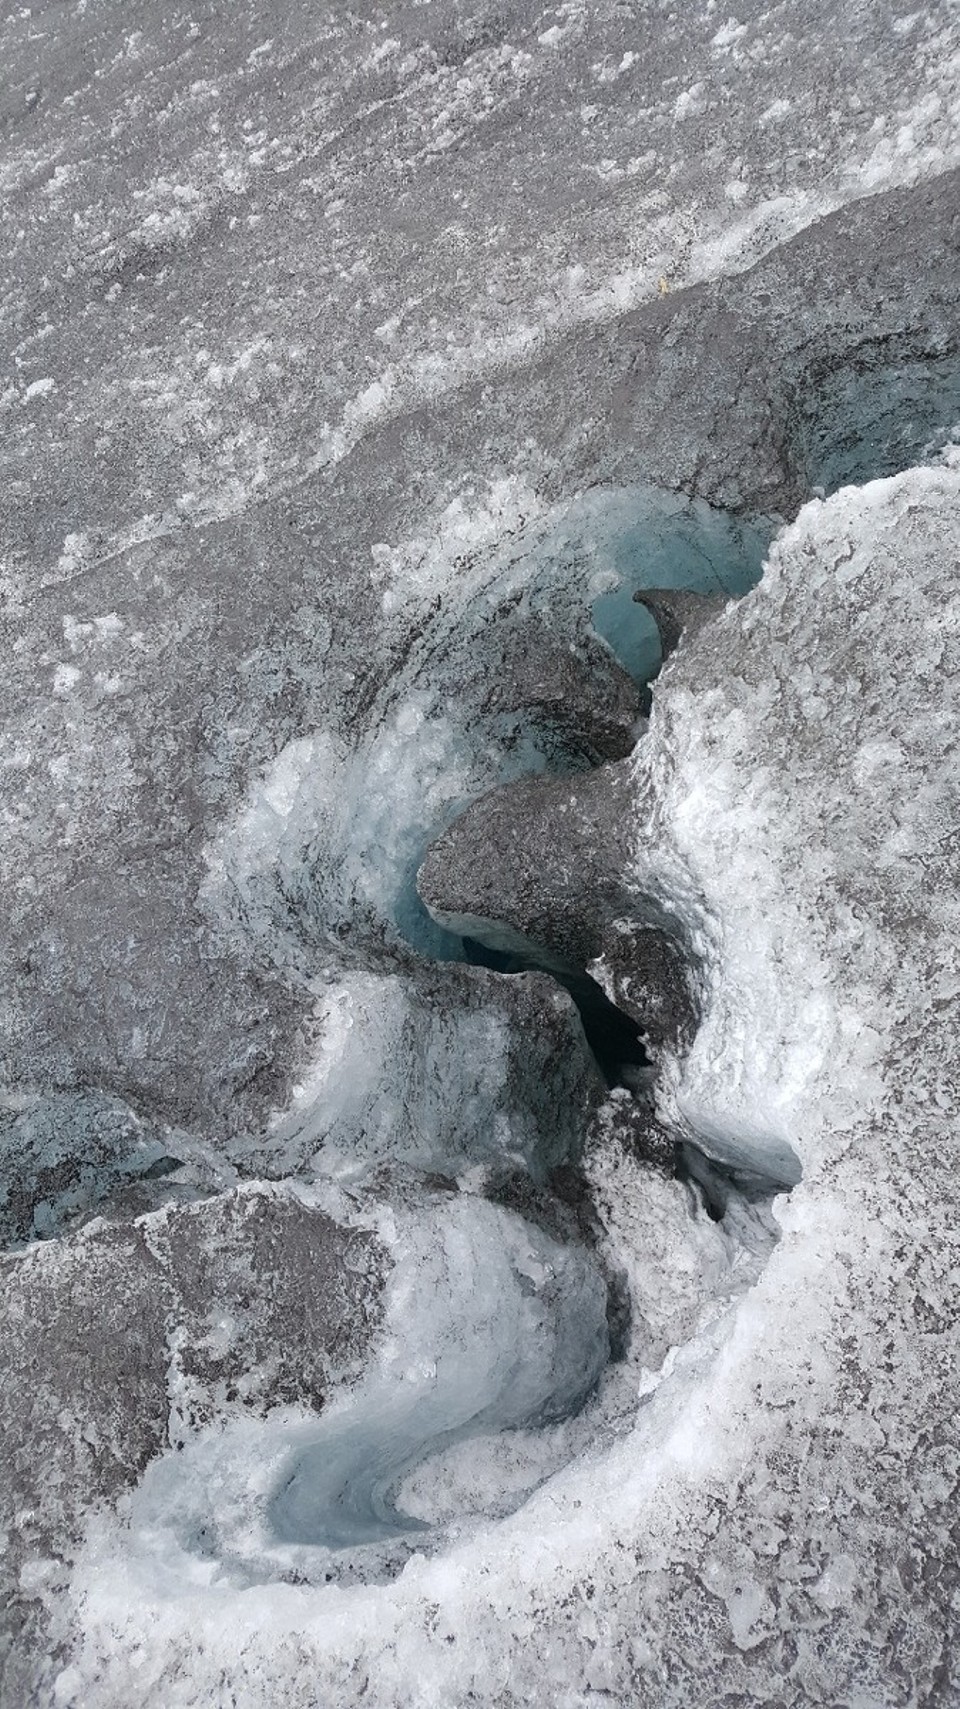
(370, 1333)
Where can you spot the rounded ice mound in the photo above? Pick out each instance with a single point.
(455, 1070)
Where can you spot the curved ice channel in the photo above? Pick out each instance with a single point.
(490, 1325)
(495, 1328)
(519, 646)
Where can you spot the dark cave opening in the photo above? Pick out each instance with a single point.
(613, 1037)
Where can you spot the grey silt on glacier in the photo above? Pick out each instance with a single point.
(362, 376)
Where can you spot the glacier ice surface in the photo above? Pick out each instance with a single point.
(276, 479)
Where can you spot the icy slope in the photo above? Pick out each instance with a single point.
(778, 1523)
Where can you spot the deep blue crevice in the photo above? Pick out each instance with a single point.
(612, 1036)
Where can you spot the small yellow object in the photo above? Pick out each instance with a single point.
(663, 286)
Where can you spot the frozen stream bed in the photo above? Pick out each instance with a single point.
(479, 537)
